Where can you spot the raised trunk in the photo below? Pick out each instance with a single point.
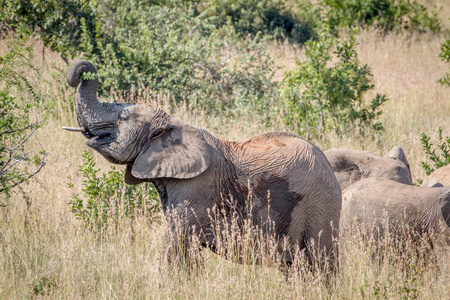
(87, 105)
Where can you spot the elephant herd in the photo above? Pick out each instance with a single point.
(278, 178)
(378, 192)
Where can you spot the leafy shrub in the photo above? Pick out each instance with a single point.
(271, 17)
(106, 199)
(319, 97)
(17, 164)
(385, 15)
(439, 159)
(167, 48)
(179, 53)
(445, 56)
(56, 22)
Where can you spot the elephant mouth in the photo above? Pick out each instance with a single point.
(96, 140)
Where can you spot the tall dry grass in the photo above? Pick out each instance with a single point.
(45, 252)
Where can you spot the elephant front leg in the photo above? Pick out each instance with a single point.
(182, 248)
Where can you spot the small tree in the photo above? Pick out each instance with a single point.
(105, 200)
(17, 164)
(320, 96)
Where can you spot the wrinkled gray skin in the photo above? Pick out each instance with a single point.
(375, 201)
(350, 166)
(440, 178)
(194, 171)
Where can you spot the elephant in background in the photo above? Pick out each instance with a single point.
(350, 166)
(288, 180)
(440, 177)
(381, 202)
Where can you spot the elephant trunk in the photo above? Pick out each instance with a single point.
(86, 96)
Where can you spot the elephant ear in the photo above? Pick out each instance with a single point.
(179, 152)
(398, 153)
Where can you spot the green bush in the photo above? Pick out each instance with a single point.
(320, 96)
(17, 163)
(56, 22)
(179, 53)
(385, 15)
(271, 17)
(163, 46)
(438, 159)
(106, 199)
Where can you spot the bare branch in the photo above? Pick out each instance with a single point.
(19, 129)
(16, 161)
(25, 139)
(43, 162)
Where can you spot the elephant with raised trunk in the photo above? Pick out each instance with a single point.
(287, 179)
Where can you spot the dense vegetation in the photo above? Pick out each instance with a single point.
(213, 54)
(17, 163)
(353, 74)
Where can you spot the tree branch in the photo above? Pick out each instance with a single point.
(20, 129)
(43, 162)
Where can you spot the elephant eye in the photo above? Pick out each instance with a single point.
(157, 133)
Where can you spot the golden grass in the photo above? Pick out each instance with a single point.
(45, 252)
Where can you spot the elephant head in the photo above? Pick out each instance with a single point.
(351, 166)
(149, 141)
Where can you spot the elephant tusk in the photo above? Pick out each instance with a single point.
(73, 129)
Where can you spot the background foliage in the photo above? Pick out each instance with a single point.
(57, 23)
(321, 96)
(211, 53)
(438, 155)
(17, 164)
(385, 15)
(271, 17)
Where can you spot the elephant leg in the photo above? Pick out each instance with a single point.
(183, 247)
(321, 250)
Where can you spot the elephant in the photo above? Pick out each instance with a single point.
(440, 177)
(379, 203)
(350, 166)
(275, 177)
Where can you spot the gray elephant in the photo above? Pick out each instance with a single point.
(379, 202)
(350, 166)
(288, 180)
(440, 177)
